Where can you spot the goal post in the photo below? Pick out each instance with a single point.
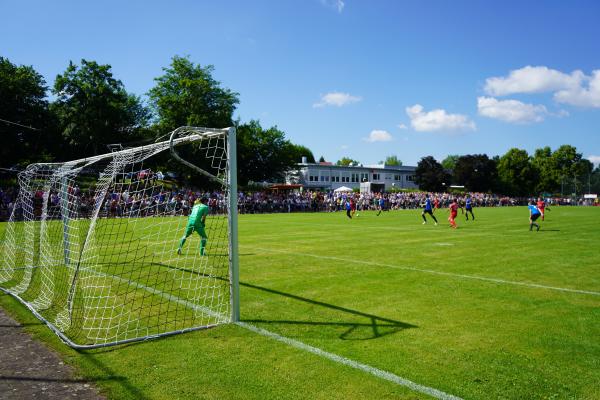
(108, 250)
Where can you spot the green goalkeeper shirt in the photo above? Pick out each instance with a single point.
(198, 211)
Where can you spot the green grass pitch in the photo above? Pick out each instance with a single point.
(487, 311)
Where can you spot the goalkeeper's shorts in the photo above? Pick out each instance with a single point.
(191, 228)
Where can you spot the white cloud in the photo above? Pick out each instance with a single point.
(576, 88)
(402, 126)
(338, 5)
(580, 95)
(594, 160)
(437, 120)
(379, 136)
(337, 99)
(532, 80)
(344, 147)
(510, 110)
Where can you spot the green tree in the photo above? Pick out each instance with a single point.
(430, 175)
(93, 109)
(26, 126)
(321, 159)
(477, 172)
(594, 181)
(187, 94)
(548, 177)
(297, 151)
(345, 161)
(516, 174)
(265, 154)
(392, 160)
(450, 162)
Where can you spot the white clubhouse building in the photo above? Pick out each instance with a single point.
(327, 176)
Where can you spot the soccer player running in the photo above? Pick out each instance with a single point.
(541, 205)
(453, 208)
(534, 214)
(427, 209)
(195, 223)
(469, 207)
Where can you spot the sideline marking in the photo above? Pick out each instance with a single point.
(438, 394)
(430, 271)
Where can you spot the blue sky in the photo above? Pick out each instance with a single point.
(364, 79)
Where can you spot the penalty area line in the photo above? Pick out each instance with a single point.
(438, 394)
(430, 271)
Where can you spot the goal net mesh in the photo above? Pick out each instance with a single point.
(91, 246)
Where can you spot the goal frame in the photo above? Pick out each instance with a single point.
(232, 216)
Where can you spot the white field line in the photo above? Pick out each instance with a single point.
(351, 363)
(301, 346)
(430, 271)
(410, 228)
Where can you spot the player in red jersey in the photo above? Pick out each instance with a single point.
(453, 208)
(436, 204)
(541, 205)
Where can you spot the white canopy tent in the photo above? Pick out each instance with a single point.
(343, 189)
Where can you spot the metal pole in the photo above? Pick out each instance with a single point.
(233, 226)
(64, 211)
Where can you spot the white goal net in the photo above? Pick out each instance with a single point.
(94, 246)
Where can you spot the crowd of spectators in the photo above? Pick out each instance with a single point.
(152, 200)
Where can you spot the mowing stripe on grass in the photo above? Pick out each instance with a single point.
(430, 271)
(303, 346)
(438, 394)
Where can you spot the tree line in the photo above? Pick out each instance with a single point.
(563, 171)
(91, 109)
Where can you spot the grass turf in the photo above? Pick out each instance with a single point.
(391, 293)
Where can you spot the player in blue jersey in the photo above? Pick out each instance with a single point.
(469, 207)
(428, 209)
(534, 214)
(380, 204)
(348, 208)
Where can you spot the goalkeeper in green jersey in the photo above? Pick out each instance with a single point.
(196, 222)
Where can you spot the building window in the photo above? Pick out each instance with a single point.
(410, 178)
(375, 177)
(398, 177)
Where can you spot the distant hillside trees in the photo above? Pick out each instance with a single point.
(516, 173)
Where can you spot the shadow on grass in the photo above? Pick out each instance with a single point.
(108, 375)
(377, 326)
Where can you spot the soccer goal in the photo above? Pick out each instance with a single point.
(91, 247)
